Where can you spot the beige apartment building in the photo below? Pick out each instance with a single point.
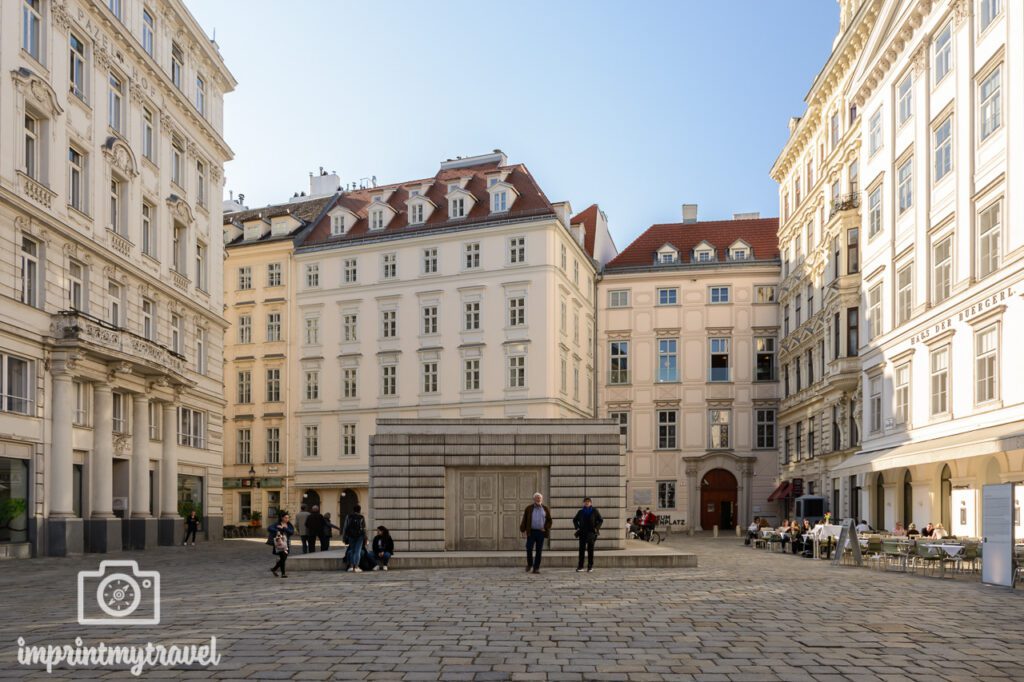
(110, 269)
(688, 322)
(820, 204)
(259, 295)
(463, 294)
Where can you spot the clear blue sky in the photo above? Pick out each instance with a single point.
(639, 106)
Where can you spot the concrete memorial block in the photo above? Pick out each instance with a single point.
(450, 484)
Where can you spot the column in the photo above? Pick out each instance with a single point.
(101, 479)
(169, 464)
(139, 490)
(60, 497)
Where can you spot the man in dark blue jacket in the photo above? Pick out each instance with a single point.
(587, 523)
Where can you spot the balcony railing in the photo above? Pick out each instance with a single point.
(36, 190)
(845, 203)
(71, 326)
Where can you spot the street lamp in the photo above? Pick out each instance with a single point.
(254, 483)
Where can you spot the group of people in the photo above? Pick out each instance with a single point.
(353, 534)
(933, 531)
(792, 533)
(643, 522)
(536, 528)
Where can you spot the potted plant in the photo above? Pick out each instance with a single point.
(254, 518)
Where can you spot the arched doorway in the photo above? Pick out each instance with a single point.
(310, 498)
(908, 500)
(718, 494)
(946, 497)
(879, 520)
(346, 504)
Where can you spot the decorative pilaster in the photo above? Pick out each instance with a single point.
(169, 464)
(101, 480)
(139, 491)
(60, 492)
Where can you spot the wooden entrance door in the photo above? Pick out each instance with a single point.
(490, 505)
(718, 494)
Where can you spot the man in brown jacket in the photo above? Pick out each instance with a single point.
(535, 527)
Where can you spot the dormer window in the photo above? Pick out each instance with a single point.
(416, 214)
(377, 219)
(740, 254)
(452, 186)
(499, 201)
(704, 253)
(666, 255)
(414, 193)
(457, 208)
(740, 250)
(669, 257)
(378, 198)
(337, 225)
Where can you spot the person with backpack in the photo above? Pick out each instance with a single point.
(314, 529)
(327, 532)
(354, 537)
(587, 522)
(383, 548)
(280, 539)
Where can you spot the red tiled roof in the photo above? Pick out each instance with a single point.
(760, 233)
(588, 217)
(530, 202)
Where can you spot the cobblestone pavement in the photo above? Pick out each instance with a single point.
(742, 615)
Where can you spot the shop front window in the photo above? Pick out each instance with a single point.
(13, 500)
(190, 494)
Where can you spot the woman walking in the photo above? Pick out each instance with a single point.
(191, 526)
(383, 548)
(280, 538)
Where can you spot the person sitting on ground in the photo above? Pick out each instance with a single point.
(863, 527)
(383, 548)
(940, 533)
(928, 530)
(912, 531)
(899, 531)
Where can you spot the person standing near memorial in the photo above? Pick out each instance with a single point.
(587, 523)
(314, 529)
(535, 527)
(300, 526)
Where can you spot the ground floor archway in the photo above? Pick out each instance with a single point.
(347, 504)
(719, 492)
(310, 499)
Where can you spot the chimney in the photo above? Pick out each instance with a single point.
(689, 213)
(793, 123)
(754, 215)
(323, 183)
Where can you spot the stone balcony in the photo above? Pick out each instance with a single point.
(74, 330)
(35, 190)
(844, 373)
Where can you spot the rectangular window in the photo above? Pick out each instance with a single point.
(810, 368)
(177, 334)
(32, 146)
(798, 442)
(149, 238)
(201, 276)
(348, 440)
(875, 212)
(719, 295)
(201, 351)
(517, 250)
(989, 238)
(312, 330)
(990, 9)
(148, 143)
(200, 183)
(244, 447)
(273, 385)
(517, 371)
(429, 319)
(350, 382)
(471, 374)
(191, 428)
(350, 271)
(177, 64)
(875, 133)
(875, 311)
(430, 261)
(719, 360)
(810, 438)
(718, 435)
(77, 71)
(986, 365)
(31, 27)
(901, 394)
(115, 102)
(16, 384)
(668, 422)
(178, 162)
(416, 213)
(875, 404)
(499, 201)
(458, 207)
(245, 329)
(273, 327)
(148, 31)
(905, 99)
(666, 494)
(668, 360)
(905, 184)
(618, 298)
(852, 332)
(618, 358)
(389, 324)
(377, 219)
(114, 294)
(942, 270)
(471, 256)
(429, 373)
(471, 316)
(944, 148)
(76, 180)
(990, 97)
(245, 278)
(201, 95)
(668, 296)
(311, 441)
(274, 445)
(904, 294)
(764, 422)
(944, 52)
(798, 308)
(349, 324)
(834, 131)
(389, 380)
(764, 358)
(245, 386)
(274, 275)
(517, 311)
(119, 412)
(337, 225)
(117, 223)
(76, 286)
(389, 263)
(312, 271)
(940, 381)
(764, 294)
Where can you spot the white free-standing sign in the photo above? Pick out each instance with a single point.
(997, 533)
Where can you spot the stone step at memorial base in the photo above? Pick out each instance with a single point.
(638, 555)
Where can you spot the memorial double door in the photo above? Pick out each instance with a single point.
(489, 506)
